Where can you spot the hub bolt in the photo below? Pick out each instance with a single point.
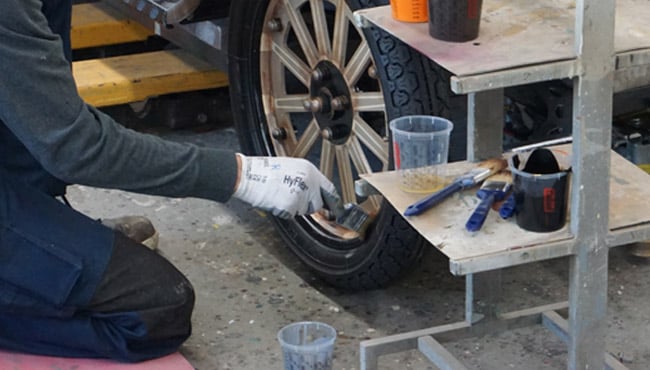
(314, 105)
(327, 133)
(320, 74)
(279, 133)
(372, 72)
(336, 132)
(275, 25)
(340, 103)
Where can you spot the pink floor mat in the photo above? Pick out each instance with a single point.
(19, 361)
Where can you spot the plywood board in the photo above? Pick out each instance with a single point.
(444, 225)
(516, 33)
(97, 24)
(135, 77)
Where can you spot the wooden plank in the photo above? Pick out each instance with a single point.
(97, 24)
(130, 78)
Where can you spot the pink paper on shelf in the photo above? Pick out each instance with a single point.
(20, 361)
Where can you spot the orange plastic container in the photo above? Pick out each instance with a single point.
(412, 11)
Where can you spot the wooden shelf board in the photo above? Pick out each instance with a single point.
(501, 242)
(130, 78)
(515, 34)
(97, 24)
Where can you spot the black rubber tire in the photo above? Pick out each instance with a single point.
(411, 85)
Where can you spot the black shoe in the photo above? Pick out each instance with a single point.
(138, 228)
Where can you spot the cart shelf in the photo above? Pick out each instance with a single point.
(603, 46)
(523, 42)
(501, 243)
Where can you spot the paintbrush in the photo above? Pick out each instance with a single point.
(481, 172)
(352, 218)
(494, 189)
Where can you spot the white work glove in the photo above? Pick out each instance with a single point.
(284, 186)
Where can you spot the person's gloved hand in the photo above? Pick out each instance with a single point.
(284, 186)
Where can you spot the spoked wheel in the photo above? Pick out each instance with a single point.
(306, 82)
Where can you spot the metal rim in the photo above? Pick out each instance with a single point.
(320, 94)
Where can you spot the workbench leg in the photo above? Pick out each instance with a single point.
(588, 307)
(482, 296)
(485, 125)
(482, 316)
(592, 134)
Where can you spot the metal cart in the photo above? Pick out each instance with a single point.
(521, 43)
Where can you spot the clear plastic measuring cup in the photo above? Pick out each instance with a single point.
(420, 146)
(307, 345)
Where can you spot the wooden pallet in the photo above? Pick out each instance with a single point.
(130, 78)
(97, 24)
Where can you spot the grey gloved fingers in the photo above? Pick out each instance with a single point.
(281, 213)
(333, 202)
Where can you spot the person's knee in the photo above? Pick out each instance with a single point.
(172, 319)
(167, 323)
(143, 282)
(184, 297)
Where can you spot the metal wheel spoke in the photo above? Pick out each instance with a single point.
(302, 33)
(357, 64)
(320, 26)
(358, 157)
(293, 63)
(341, 29)
(345, 174)
(321, 33)
(291, 103)
(368, 102)
(371, 139)
(327, 159)
(307, 140)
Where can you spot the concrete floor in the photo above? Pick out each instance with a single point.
(248, 286)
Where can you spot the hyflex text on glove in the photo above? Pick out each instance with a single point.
(284, 186)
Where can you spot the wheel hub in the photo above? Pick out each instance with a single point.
(330, 102)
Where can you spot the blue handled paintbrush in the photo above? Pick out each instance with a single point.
(473, 177)
(493, 190)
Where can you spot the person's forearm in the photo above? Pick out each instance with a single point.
(80, 144)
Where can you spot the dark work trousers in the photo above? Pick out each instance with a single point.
(70, 286)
